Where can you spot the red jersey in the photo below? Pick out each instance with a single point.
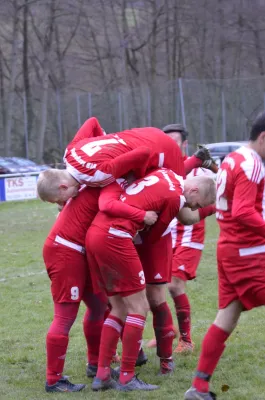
(160, 191)
(84, 159)
(76, 217)
(190, 235)
(240, 203)
(90, 129)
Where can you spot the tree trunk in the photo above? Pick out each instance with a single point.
(45, 82)
(11, 94)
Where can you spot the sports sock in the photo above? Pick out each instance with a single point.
(56, 347)
(164, 330)
(182, 306)
(108, 344)
(131, 343)
(92, 331)
(92, 324)
(57, 339)
(213, 346)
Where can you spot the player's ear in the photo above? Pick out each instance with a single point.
(262, 137)
(63, 186)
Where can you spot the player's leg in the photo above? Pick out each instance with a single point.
(183, 313)
(157, 260)
(184, 267)
(213, 346)
(66, 288)
(122, 275)
(57, 340)
(163, 325)
(110, 335)
(94, 317)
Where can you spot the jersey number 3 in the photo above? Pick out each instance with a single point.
(136, 188)
(221, 201)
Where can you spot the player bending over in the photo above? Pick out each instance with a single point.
(98, 161)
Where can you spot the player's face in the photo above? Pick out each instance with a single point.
(176, 136)
(194, 199)
(261, 144)
(65, 193)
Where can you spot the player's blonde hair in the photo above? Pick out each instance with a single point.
(207, 187)
(48, 184)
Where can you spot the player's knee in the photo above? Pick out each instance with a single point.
(156, 295)
(137, 303)
(176, 287)
(228, 317)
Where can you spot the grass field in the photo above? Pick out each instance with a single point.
(26, 312)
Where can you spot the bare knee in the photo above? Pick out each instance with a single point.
(156, 295)
(227, 318)
(176, 287)
(118, 308)
(137, 303)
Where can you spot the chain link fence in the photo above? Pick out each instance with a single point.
(212, 111)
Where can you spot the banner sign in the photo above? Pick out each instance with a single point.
(18, 188)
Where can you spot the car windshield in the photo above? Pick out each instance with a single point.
(24, 162)
(7, 163)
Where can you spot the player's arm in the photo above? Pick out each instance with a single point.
(188, 217)
(170, 209)
(110, 203)
(90, 129)
(243, 208)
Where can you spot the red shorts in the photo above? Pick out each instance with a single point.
(114, 263)
(241, 278)
(68, 272)
(185, 262)
(156, 260)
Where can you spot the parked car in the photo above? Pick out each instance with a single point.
(9, 167)
(220, 150)
(28, 165)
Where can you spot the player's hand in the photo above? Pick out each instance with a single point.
(150, 217)
(207, 162)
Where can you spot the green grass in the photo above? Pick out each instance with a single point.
(26, 312)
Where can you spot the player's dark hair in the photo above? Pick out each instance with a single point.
(177, 128)
(258, 126)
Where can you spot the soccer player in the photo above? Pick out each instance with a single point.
(188, 243)
(65, 260)
(98, 162)
(119, 270)
(240, 250)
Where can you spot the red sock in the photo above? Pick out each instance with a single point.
(57, 339)
(164, 330)
(182, 306)
(131, 343)
(127, 162)
(108, 344)
(56, 347)
(191, 163)
(213, 346)
(92, 331)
